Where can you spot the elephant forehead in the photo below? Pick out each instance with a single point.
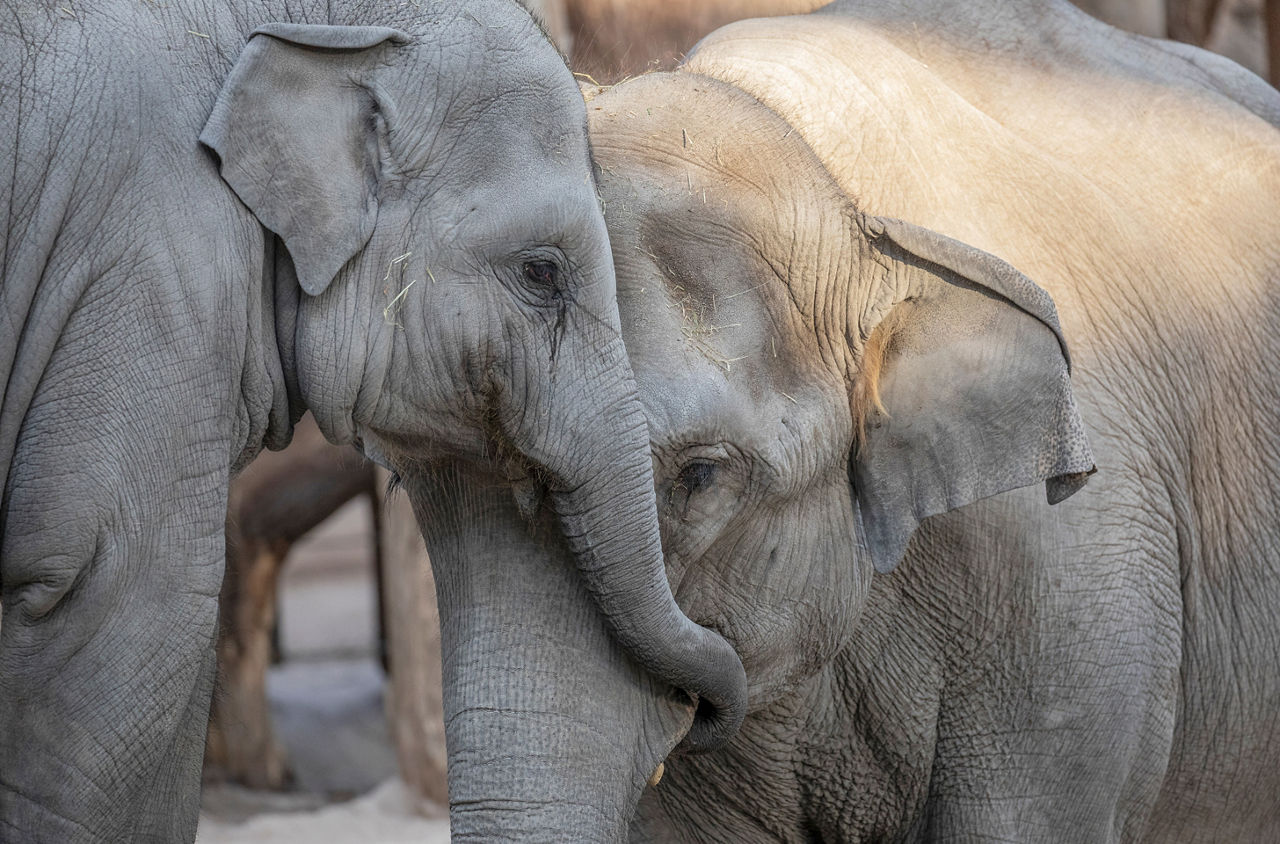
(702, 290)
(717, 193)
(493, 85)
(684, 396)
(715, 212)
(553, 201)
(687, 131)
(711, 335)
(530, 133)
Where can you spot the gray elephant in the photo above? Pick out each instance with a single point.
(834, 391)
(219, 215)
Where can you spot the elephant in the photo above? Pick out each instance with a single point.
(219, 217)
(894, 278)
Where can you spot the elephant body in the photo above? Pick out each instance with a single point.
(219, 217)
(111, 281)
(1105, 669)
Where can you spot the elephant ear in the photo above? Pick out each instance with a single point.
(295, 132)
(964, 389)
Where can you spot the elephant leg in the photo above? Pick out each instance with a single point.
(1060, 715)
(241, 745)
(106, 654)
(111, 561)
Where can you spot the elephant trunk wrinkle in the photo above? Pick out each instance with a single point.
(607, 511)
(553, 728)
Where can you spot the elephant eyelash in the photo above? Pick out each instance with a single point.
(541, 280)
(394, 482)
(696, 475)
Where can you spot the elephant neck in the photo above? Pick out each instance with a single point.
(269, 398)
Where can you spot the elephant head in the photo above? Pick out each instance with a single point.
(443, 195)
(817, 381)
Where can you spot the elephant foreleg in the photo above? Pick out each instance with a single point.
(241, 746)
(110, 587)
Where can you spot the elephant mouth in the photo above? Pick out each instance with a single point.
(527, 481)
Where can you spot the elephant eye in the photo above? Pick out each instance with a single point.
(694, 476)
(541, 273)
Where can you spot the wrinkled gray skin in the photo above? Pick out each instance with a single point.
(552, 728)
(1105, 669)
(364, 229)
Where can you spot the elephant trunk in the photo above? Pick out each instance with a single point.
(600, 479)
(552, 729)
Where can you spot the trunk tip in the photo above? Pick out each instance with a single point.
(720, 713)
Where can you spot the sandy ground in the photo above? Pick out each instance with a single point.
(384, 816)
(327, 709)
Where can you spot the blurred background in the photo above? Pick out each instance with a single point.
(326, 721)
